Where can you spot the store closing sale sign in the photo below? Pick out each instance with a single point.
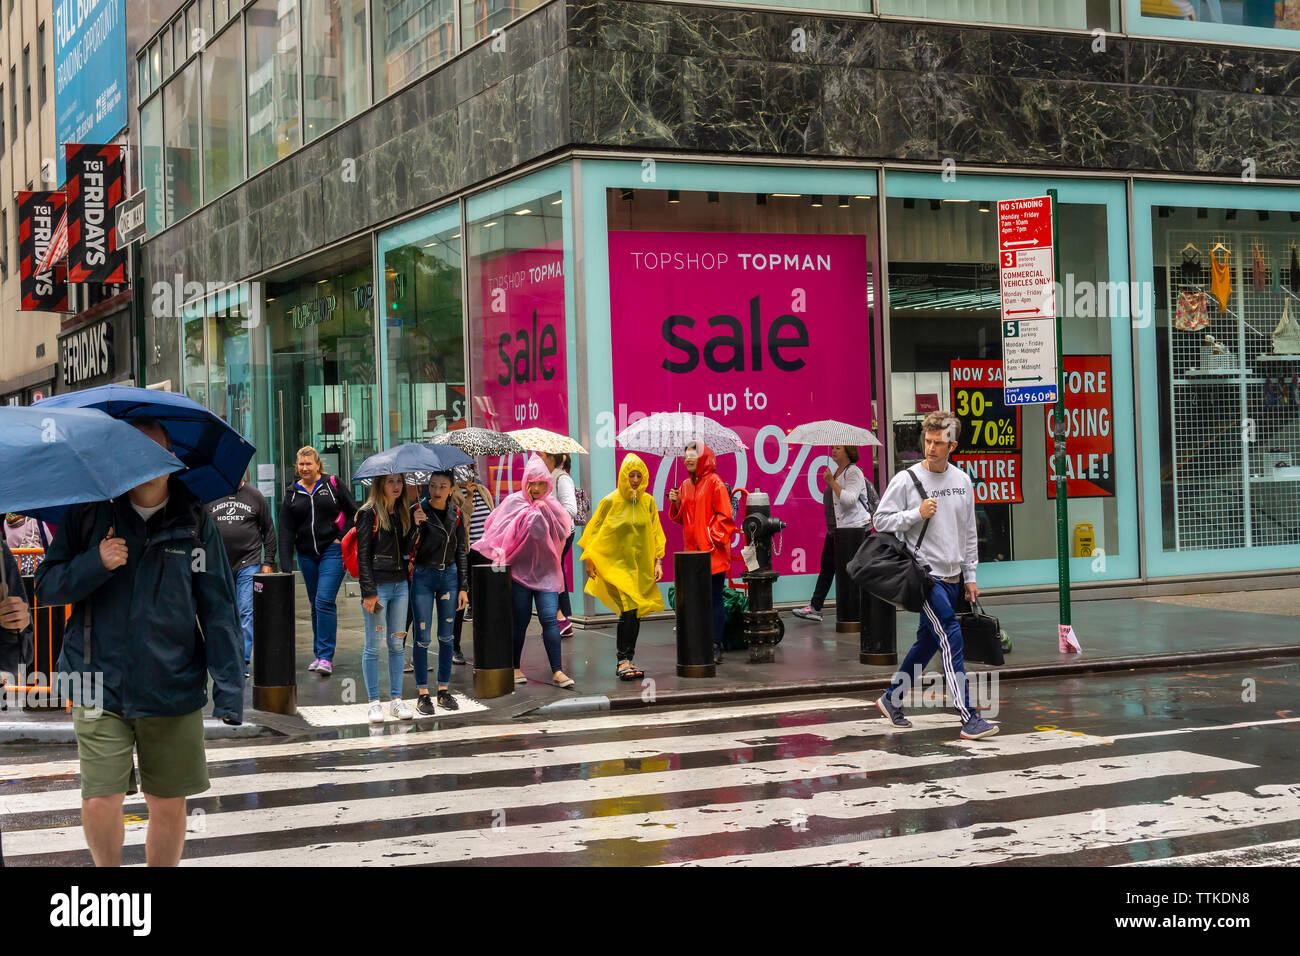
(760, 332)
(525, 382)
(1089, 430)
(989, 446)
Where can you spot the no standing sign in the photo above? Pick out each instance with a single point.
(1027, 272)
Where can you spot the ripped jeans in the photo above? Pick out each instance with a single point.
(386, 625)
(431, 591)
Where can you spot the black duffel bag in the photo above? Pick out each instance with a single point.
(885, 568)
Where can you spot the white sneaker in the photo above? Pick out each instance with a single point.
(401, 710)
(808, 613)
(376, 713)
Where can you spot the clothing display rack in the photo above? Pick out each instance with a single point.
(1235, 401)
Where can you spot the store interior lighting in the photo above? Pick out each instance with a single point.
(816, 201)
(984, 207)
(844, 202)
(627, 195)
(674, 196)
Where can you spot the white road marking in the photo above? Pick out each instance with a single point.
(999, 842)
(1282, 853)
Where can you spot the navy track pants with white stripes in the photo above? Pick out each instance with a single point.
(938, 631)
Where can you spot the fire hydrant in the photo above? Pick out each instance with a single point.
(763, 625)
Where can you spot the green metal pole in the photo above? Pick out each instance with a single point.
(1058, 434)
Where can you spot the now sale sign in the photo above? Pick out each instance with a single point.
(760, 332)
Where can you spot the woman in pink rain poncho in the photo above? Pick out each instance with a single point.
(527, 531)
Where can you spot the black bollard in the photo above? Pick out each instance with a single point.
(879, 635)
(848, 598)
(275, 675)
(763, 628)
(494, 640)
(692, 576)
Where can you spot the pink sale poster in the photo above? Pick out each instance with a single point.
(759, 332)
(521, 361)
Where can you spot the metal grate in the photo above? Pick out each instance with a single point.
(1236, 416)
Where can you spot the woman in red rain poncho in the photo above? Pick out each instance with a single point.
(703, 508)
(623, 548)
(527, 531)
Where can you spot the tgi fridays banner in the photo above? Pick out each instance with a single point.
(38, 216)
(989, 446)
(94, 189)
(1089, 429)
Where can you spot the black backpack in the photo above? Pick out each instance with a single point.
(885, 567)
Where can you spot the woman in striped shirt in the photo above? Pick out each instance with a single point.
(475, 502)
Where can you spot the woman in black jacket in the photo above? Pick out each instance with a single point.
(316, 513)
(384, 538)
(437, 583)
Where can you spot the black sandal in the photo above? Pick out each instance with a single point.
(626, 670)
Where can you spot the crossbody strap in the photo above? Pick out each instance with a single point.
(926, 526)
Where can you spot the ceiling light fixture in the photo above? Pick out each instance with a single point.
(816, 201)
(674, 196)
(626, 194)
(844, 202)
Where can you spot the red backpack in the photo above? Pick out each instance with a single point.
(349, 546)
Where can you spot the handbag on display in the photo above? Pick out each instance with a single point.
(1286, 337)
(885, 568)
(981, 636)
(1191, 315)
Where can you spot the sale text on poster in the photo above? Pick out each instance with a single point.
(989, 446)
(1089, 429)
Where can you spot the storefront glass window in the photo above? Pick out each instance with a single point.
(195, 366)
(423, 326)
(1223, 356)
(946, 350)
(334, 74)
(181, 142)
(1065, 14)
(521, 349)
(1262, 22)
(223, 114)
(322, 382)
(746, 296)
(151, 165)
(272, 30)
(411, 38)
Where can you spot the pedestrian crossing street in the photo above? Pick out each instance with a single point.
(816, 782)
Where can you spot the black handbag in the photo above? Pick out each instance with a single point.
(981, 636)
(886, 569)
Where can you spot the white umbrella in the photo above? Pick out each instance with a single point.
(830, 432)
(665, 432)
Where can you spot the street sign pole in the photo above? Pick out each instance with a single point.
(1058, 435)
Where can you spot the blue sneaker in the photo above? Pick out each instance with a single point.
(977, 728)
(893, 713)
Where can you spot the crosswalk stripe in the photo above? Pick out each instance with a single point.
(675, 823)
(264, 782)
(627, 786)
(1001, 842)
(573, 836)
(489, 732)
(1281, 853)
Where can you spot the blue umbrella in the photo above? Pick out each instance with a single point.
(53, 458)
(215, 455)
(412, 457)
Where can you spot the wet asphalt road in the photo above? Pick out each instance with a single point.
(1198, 766)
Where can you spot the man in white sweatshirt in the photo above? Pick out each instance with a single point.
(951, 549)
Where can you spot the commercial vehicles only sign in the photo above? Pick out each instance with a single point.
(1027, 273)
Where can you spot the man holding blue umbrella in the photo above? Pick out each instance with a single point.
(154, 615)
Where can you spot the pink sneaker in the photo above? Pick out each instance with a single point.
(314, 664)
(325, 667)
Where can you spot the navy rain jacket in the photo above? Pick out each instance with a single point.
(158, 626)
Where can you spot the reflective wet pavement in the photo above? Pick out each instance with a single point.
(1141, 767)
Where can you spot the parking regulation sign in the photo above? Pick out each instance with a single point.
(1027, 273)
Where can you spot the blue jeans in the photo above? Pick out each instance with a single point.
(323, 578)
(938, 631)
(547, 605)
(387, 624)
(244, 597)
(432, 589)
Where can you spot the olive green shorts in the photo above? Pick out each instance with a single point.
(172, 761)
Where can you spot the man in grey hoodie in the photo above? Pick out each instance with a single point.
(938, 497)
(244, 521)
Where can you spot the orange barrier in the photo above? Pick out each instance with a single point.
(43, 620)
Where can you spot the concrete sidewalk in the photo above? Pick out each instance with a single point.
(1115, 634)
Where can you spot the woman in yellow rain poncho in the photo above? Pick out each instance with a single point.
(623, 549)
